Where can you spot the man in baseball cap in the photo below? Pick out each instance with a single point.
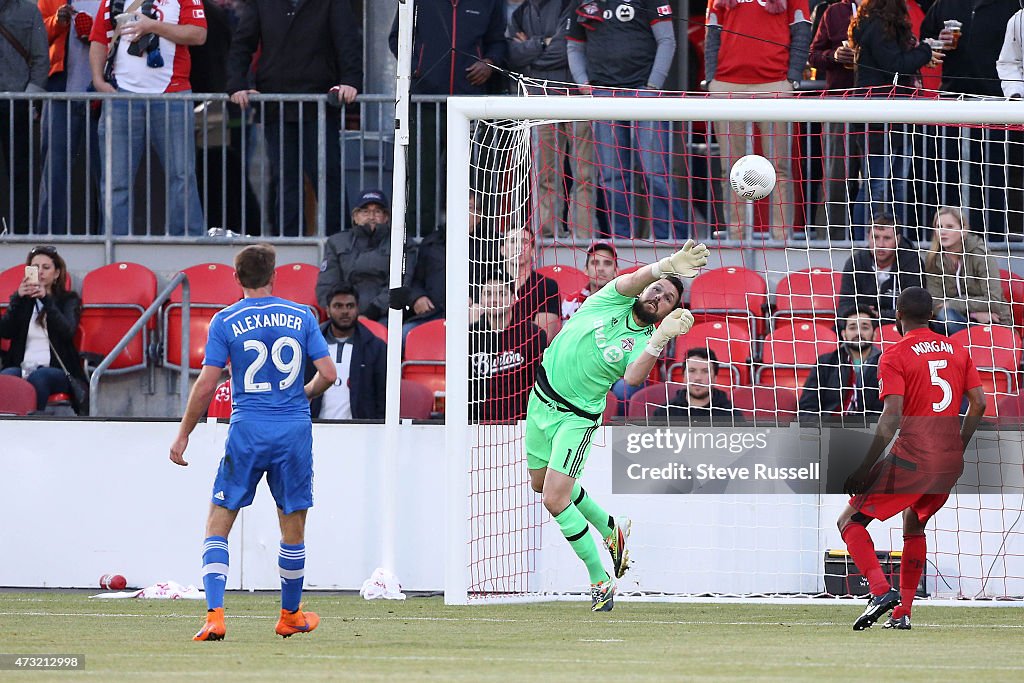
(361, 256)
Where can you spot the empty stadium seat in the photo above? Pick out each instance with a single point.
(1013, 292)
(731, 344)
(996, 351)
(809, 295)
(644, 402)
(766, 404)
(570, 280)
(10, 280)
(886, 336)
(114, 297)
(213, 288)
(730, 293)
(297, 282)
(789, 354)
(380, 331)
(611, 407)
(1010, 410)
(424, 355)
(17, 396)
(417, 401)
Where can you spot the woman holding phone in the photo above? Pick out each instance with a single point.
(41, 322)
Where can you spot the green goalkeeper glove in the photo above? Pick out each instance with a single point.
(684, 263)
(675, 323)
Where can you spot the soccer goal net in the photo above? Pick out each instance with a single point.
(551, 196)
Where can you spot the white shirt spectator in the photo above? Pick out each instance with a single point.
(1010, 65)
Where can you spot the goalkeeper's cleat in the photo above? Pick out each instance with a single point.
(602, 595)
(616, 545)
(298, 621)
(213, 629)
(898, 623)
(878, 607)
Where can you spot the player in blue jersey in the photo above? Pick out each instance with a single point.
(267, 340)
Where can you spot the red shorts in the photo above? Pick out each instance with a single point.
(885, 505)
(894, 488)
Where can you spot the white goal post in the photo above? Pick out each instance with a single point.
(540, 574)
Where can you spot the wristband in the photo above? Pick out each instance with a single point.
(654, 350)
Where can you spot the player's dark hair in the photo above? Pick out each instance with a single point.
(705, 354)
(861, 310)
(915, 303)
(343, 288)
(678, 284)
(255, 265)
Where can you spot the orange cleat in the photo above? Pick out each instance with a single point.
(213, 629)
(291, 623)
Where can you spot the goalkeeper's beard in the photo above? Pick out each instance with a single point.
(644, 314)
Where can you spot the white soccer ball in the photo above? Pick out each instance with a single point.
(752, 177)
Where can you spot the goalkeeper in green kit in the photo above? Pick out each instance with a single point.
(611, 336)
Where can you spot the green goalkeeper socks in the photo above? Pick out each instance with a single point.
(594, 513)
(575, 529)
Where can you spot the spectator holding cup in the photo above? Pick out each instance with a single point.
(972, 31)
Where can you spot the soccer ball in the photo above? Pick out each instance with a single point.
(752, 177)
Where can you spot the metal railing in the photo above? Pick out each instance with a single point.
(154, 309)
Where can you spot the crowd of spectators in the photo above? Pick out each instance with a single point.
(584, 172)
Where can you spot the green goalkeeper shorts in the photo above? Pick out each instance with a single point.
(556, 438)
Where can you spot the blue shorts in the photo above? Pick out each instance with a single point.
(282, 450)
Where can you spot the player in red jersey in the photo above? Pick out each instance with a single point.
(921, 381)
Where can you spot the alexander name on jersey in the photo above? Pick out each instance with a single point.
(252, 322)
(931, 346)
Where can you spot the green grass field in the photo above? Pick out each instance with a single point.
(421, 639)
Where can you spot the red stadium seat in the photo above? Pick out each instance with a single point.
(213, 288)
(380, 331)
(789, 354)
(996, 351)
(570, 280)
(644, 402)
(17, 396)
(766, 404)
(730, 293)
(114, 297)
(424, 355)
(297, 282)
(886, 336)
(809, 295)
(1010, 410)
(730, 342)
(10, 280)
(611, 408)
(417, 401)
(1013, 292)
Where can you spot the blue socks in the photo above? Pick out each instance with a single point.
(291, 563)
(215, 570)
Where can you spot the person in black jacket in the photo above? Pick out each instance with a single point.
(455, 45)
(305, 47)
(874, 277)
(700, 400)
(359, 393)
(970, 68)
(41, 322)
(845, 381)
(361, 257)
(426, 289)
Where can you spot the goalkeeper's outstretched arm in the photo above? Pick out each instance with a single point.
(684, 263)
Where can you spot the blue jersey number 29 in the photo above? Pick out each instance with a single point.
(290, 368)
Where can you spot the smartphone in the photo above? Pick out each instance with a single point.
(32, 275)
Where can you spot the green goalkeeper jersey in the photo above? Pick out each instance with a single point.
(594, 347)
